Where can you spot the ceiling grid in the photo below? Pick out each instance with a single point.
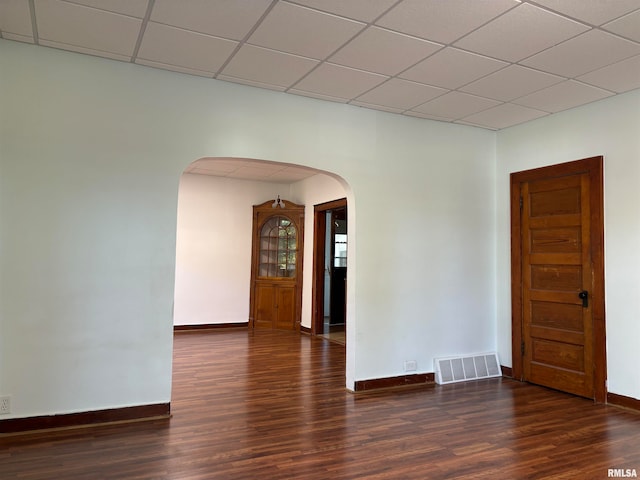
(491, 64)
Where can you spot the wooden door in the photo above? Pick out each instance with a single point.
(559, 294)
(276, 265)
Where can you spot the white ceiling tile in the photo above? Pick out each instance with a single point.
(202, 171)
(512, 82)
(15, 18)
(255, 178)
(243, 168)
(452, 68)
(402, 94)
(86, 27)
(590, 51)
(619, 77)
(259, 168)
(595, 12)
(627, 26)
(337, 81)
(563, 96)
(553, 38)
(376, 50)
(219, 166)
(442, 21)
(248, 175)
(173, 68)
(133, 8)
(174, 46)
(455, 105)
(289, 175)
(256, 171)
(88, 51)
(303, 31)
(363, 10)
(231, 19)
(299, 171)
(521, 32)
(268, 66)
(503, 116)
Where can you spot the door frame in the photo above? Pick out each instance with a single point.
(319, 246)
(593, 166)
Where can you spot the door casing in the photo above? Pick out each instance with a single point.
(594, 167)
(319, 246)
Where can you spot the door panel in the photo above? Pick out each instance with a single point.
(556, 269)
(265, 306)
(561, 337)
(285, 308)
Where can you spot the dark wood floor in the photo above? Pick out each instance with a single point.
(273, 406)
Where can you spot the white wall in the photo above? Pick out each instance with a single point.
(610, 128)
(313, 191)
(213, 247)
(92, 154)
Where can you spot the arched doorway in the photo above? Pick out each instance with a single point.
(214, 234)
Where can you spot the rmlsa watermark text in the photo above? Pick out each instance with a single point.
(622, 473)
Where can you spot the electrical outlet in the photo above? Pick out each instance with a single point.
(5, 405)
(410, 366)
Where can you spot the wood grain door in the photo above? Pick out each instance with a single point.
(561, 304)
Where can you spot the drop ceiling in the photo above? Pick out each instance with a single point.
(487, 63)
(249, 169)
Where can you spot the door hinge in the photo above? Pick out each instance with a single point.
(521, 203)
(522, 348)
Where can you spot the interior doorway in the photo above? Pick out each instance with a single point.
(330, 270)
(557, 234)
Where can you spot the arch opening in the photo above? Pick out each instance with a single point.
(214, 234)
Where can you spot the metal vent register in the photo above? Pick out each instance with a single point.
(468, 367)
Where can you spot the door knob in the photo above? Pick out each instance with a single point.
(584, 296)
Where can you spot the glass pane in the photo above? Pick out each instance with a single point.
(340, 249)
(278, 248)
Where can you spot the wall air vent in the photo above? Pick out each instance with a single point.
(466, 367)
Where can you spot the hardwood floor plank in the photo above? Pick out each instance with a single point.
(273, 405)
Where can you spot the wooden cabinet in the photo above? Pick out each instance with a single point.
(276, 266)
(275, 306)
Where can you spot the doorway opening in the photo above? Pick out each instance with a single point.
(330, 271)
